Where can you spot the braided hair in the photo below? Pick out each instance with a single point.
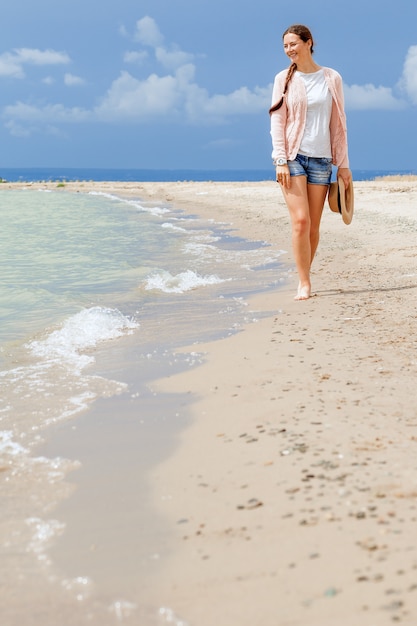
(305, 35)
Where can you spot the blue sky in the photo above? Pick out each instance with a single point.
(187, 83)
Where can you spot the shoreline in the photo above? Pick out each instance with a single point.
(297, 476)
(291, 495)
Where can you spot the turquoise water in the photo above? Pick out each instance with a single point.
(60, 252)
(79, 272)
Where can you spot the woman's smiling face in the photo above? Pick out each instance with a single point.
(297, 49)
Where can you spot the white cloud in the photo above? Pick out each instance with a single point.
(408, 81)
(130, 98)
(241, 101)
(41, 57)
(18, 130)
(174, 95)
(369, 97)
(171, 96)
(133, 56)
(53, 113)
(71, 81)
(148, 33)
(172, 59)
(11, 63)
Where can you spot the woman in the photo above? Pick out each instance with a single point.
(308, 130)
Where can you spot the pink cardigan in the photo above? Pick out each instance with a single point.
(288, 123)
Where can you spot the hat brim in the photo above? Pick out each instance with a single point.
(341, 199)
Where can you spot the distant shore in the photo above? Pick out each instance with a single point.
(64, 175)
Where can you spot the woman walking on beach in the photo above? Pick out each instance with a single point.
(308, 130)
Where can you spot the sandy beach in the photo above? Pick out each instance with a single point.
(291, 497)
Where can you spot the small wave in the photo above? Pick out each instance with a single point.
(157, 211)
(82, 331)
(8, 447)
(170, 226)
(103, 194)
(185, 281)
(153, 210)
(52, 386)
(16, 458)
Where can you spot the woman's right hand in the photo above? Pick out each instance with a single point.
(283, 175)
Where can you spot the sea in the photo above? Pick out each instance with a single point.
(98, 295)
(154, 175)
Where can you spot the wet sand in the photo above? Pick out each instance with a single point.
(290, 497)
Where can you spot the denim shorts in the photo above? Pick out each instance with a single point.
(317, 170)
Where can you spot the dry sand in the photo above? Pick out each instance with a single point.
(292, 497)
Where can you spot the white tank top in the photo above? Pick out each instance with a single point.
(316, 138)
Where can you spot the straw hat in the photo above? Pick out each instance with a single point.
(341, 199)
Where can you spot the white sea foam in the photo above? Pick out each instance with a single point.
(53, 386)
(153, 210)
(56, 468)
(43, 531)
(103, 194)
(170, 226)
(8, 447)
(168, 616)
(81, 332)
(180, 283)
(18, 459)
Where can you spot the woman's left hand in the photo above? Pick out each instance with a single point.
(283, 175)
(345, 174)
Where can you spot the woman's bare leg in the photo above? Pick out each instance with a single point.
(316, 197)
(305, 204)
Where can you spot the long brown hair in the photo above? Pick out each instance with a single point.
(305, 35)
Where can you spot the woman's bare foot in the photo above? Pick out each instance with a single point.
(303, 292)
